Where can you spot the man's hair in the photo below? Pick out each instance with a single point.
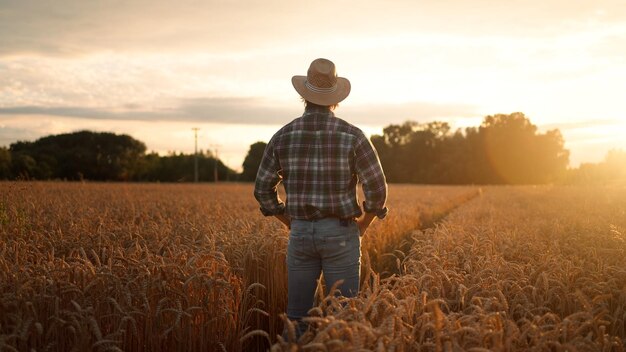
(308, 104)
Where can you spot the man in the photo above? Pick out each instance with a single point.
(320, 158)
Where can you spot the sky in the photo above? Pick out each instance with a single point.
(156, 69)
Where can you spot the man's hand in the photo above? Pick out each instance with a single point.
(284, 219)
(364, 222)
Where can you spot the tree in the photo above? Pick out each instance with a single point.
(517, 154)
(503, 149)
(179, 167)
(252, 161)
(615, 161)
(409, 152)
(103, 157)
(5, 163)
(612, 170)
(78, 155)
(24, 166)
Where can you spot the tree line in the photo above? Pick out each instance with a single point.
(103, 156)
(504, 149)
(611, 170)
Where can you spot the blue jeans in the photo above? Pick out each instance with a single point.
(329, 245)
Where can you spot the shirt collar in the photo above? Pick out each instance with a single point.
(314, 110)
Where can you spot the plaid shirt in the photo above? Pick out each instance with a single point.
(320, 158)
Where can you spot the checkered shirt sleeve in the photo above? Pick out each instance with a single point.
(267, 180)
(371, 176)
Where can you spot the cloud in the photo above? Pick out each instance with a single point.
(223, 110)
(77, 27)
(384, 114)
(581, 124)
(66, 111)
(235, 110)
(250, 111)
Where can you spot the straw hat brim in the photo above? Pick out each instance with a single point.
(324, 99)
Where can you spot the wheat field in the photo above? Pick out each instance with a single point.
(180, 267)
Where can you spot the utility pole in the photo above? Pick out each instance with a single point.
(215, 148)
(195, 154)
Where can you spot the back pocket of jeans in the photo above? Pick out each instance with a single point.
(341, 240)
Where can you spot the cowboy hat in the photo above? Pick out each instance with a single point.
(321, 85)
